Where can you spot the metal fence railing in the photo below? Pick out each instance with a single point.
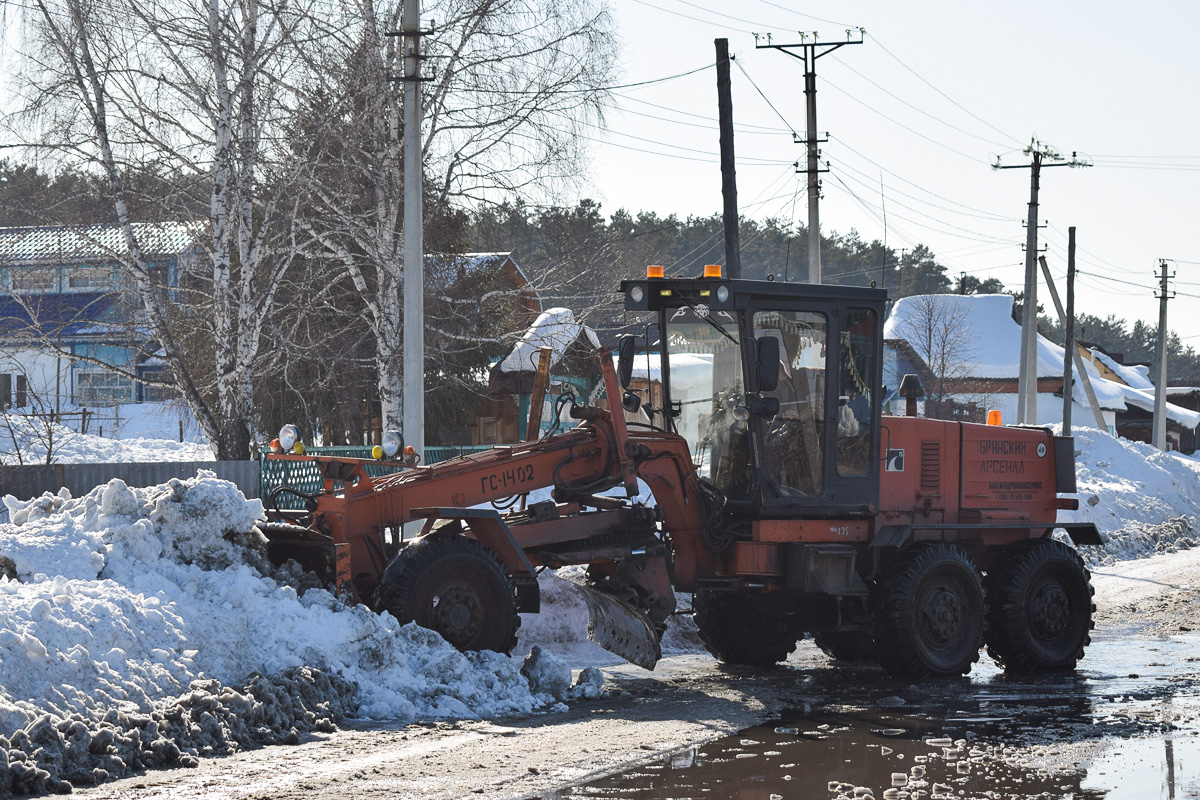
(304, 477)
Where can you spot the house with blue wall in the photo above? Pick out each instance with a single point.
(72, 326)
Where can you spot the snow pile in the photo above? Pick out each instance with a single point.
(138, 615)
(1143, 500)
(25, 441)
(563, 621)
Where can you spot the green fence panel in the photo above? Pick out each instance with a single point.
(303, 476)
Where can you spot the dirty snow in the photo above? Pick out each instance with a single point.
(134, 603)
(1144, 501)
(145, 629)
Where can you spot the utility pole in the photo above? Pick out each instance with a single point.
(811, 51)
(1159, 439)
(1042, 155)
(733, 257)
(413, 394)
(1071, 352)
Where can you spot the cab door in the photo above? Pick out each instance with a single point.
(818, 453)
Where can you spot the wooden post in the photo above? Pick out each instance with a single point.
(1083, 376)
(540, 379)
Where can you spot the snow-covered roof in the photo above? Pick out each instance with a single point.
(89, 243)
(990, 338)
(1137, 376)
(991, 347)
(474, 262)
(555, 328)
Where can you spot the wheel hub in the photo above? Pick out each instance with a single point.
(943, 615)
(457, 614)
(1050, 612)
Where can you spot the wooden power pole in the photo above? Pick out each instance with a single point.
(733, 257)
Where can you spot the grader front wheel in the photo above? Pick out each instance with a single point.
(737, 630)
(456, 587)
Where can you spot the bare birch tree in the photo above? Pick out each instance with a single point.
(937, 326)
(512, 84)
(200, 87)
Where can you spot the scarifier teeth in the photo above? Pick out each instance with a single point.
(621, 628)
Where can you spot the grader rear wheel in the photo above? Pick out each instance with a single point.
(456, 587)
(1039, 608)
(736, 630)
(928, 613)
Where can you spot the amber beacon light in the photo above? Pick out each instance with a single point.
(712, 270)
(994, 417)
(654, 271)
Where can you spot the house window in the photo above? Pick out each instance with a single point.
(153, 393)
(33, 280)
(5, 391)
(22, 391)
(90, 278)
(102, 387)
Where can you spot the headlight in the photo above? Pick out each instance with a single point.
(637, 294)
(390, 442)
(723, 293)
(288, 436)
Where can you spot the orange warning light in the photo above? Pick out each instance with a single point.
(654, 271)
(712, 270)
(994, 417)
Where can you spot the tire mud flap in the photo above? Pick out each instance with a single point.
(620, 628)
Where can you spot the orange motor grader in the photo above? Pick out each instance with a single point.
(783, 500)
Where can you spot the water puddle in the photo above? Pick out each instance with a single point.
(1125, 727)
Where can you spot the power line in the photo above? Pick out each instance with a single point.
(701, 116)
(900, 177)
(933, 117)
(953, 102)
(689, 16)
(491, 91)
(898, 124)
(807, 16)
(761, 93)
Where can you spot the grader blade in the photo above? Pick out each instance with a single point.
(621, 628)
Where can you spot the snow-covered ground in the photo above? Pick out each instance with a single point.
(142, 627)
(25, 440)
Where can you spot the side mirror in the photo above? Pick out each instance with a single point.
(631, 402)
(625, 352)
(768, 363)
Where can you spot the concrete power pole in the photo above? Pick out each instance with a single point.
(1159, 438)
(413, 393)
(733, 251)
(1070, 349)
(1041, 156)
(811, 51)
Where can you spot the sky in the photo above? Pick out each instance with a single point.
(915, 116)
